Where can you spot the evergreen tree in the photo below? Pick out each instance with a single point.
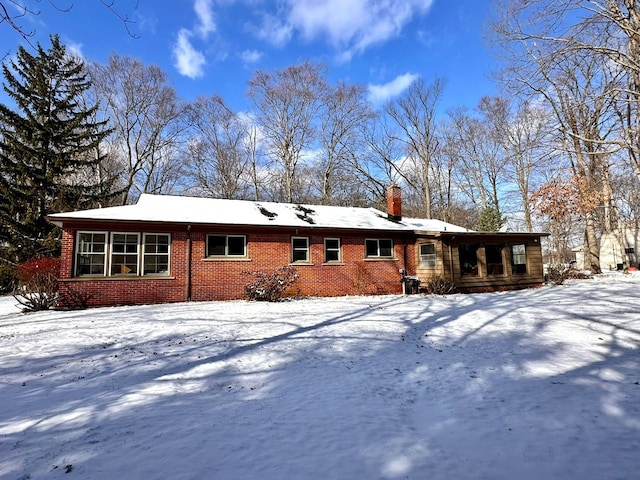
(49, 149)
(490, 220)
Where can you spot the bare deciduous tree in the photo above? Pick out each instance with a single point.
(287, 103)
(218, 149)
(415, 115)
(574, 55)
(521, 131)
(481, 160)
(148, 122)
(13, 12)
(345, 111)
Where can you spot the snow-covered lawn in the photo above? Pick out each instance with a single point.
(535, 384)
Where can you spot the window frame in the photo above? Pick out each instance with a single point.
(306, 249)
(514, 270)
(474, 270)
(378, 248)
(494, 268)
(146, 255)
(104, 253)
(428, 260)
(125, 254)
(328, 249)
(226, 245)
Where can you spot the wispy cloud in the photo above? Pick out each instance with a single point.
(274, 30)
(189, 61)
(75, 49)
(251, 56)
(355, 25)
(204, 12)
(379, 94)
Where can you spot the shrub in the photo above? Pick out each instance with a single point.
(38, 283)
(270, 287)
(438, 285)
(556, 273)
(74, 299)
(579, 274)
(8, 278)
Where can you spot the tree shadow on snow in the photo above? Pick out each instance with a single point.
(392, 387)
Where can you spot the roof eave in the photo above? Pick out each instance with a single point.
(61, 220)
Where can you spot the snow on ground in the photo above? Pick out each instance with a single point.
(534, 384)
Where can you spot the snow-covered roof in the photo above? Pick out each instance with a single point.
(212, 211)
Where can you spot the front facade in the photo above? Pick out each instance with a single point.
(172, 249)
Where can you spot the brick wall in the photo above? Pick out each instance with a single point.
(224, 279)
(100, 291)
(266, 251)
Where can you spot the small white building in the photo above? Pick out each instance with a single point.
(619, 249)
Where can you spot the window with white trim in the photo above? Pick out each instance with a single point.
(226, 246)
(332, 251)
(91, 253)
(124, 253)
(378, 248)
(155, 253)
(300, 249)
(428, 255)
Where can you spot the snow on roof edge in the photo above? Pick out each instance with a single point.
(202, 210)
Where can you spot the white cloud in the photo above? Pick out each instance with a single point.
(354, 25)
(188, 60)
(204, 12)
(251, 56)
(75, 49)
(379, 94)
(274, 31)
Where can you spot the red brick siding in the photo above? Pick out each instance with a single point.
(225, 279)
(214, 279)
(123, 291)
(66, 257)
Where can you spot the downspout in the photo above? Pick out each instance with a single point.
(404, 255)
(188, 273)
(404, 266)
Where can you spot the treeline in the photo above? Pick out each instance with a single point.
(558, 152)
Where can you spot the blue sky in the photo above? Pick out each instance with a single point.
(213, 46)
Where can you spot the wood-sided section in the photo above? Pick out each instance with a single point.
(481, 261)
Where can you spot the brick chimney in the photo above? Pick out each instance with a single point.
(394, 203)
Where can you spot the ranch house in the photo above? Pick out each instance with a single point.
(173, 248)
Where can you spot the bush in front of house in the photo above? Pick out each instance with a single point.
(74, 299)
(438, 285)
(37, 283)
(270, 287)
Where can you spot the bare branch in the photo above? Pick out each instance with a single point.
(13, 11)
